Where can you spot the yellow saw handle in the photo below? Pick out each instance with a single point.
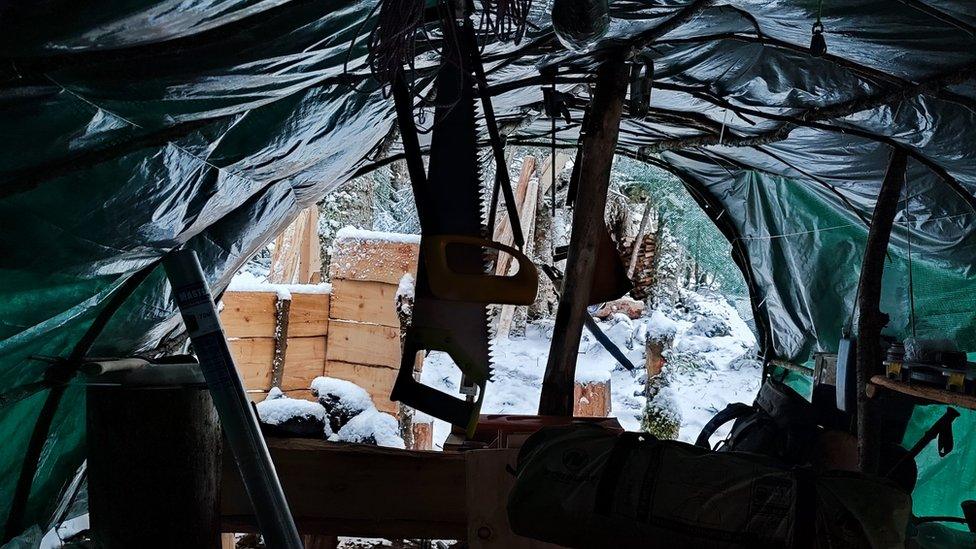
(445, 283)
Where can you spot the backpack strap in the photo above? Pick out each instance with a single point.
(731, 412)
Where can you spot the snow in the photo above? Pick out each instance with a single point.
(275, 410)
(352, 233)
(347, 393)
(248, 282)
(406, 287)
(724, 372)
(369, 426)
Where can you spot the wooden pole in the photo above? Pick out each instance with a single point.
(870, 318)
(598, 145)
(154, 467)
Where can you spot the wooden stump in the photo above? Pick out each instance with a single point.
(154, 467)
(592, 399)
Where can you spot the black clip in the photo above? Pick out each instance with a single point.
(818, 44)
(556, 104)
(641, 83)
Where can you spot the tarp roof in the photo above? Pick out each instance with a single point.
(130, 127)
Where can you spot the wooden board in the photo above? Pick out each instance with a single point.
(488, 484)
(248, 314)
(309, 315)
(365, 301)
(357, 490)
(252, 314)
(376, 380)
(304, 360)
(376, 260)
(360, 343)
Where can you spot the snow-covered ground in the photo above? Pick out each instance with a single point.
(708, 374)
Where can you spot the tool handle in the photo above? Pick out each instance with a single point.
(445, 283)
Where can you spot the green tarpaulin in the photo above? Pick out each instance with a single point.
(131, 127)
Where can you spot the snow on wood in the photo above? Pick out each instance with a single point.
(352, 233)
(278, 408)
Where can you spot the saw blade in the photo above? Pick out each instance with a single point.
(455, 204)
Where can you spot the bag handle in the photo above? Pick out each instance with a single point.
(731, 412)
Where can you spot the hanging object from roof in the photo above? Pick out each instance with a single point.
(579, 24)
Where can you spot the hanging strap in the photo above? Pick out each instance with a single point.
(502, 180)
(731, 412)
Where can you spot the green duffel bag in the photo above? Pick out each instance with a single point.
(585, 486)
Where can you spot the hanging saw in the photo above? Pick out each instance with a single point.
(453, 288)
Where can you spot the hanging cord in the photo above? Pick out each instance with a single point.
(911, 282)
(552, 150)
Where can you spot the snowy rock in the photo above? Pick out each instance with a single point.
(371, 427)
(710, 326)
(660, 327)
(281, 416)
(625, 305)
(342, 400)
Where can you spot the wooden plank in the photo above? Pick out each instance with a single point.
(357, 490)
(252, 314)
(360, 343)
(252, 356)
(309, 315)
(376, 260)
(310, 256)
(304, 361)
(376, 380)
(598, 146)
(365, 301)
(487, 486)
(248, 314)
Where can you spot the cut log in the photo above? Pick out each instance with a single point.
(592, 399)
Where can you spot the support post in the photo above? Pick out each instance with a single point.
(153, 466)
(598, 145)
(870, 318)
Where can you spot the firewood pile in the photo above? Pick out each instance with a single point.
(643, 277)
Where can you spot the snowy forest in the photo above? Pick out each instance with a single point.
(689, 308)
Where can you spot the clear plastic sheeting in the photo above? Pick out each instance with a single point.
(131, 127)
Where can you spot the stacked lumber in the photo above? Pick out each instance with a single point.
(278, 336)
(644, 268)
(364, 340)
